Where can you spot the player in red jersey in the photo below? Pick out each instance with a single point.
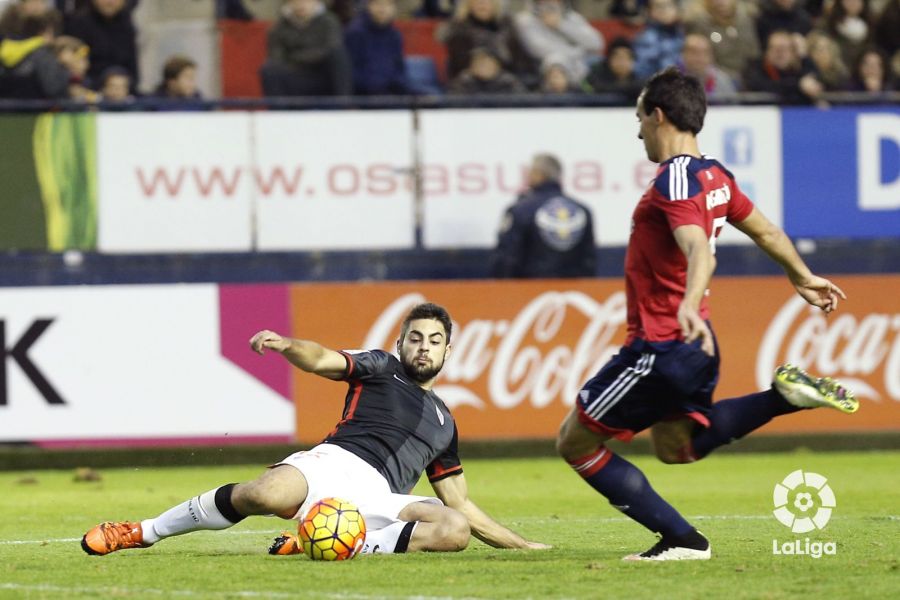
(664, 376)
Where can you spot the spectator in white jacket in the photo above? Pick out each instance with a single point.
(552, 30)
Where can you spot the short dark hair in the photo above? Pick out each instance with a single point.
(427, 310)
(175, 65)
(114, 71)
(619, 42)
(681, 97)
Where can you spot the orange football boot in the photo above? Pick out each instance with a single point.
(285, 544)
(109, 537)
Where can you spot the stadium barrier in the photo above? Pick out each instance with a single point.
(175, 358)
(409, 179)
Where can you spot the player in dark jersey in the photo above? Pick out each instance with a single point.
(664, 376)
(393, 428)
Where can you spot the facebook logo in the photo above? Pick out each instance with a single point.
(738, 144)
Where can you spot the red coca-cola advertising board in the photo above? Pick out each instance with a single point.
(522, 349)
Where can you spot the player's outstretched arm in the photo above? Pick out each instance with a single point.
(816, 290)
(454, 492)
(303, 354)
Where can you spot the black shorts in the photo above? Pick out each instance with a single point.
(649, 382)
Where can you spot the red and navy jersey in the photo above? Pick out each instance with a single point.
(393, 424)
(687, 191)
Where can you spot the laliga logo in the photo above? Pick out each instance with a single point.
(798, 514)
(803, 502)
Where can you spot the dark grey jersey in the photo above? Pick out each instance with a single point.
(393, 424)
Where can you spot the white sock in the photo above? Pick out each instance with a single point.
(200, 512)
(384, 540)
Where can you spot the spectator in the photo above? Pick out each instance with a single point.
(782, 72)
(115, 86)
(477, 23)
(783, 15)
(826, 58)
(344, 10)
(436, 8)
(556, 79)
(887, 27)
(29, 69)
(659, 45)
(631, 12)
(552, 30)
(616, 74)
(545, 233)
(376, 50)
(485, 75)
(732, 31)
(72, 53)
(849, 24)
(306, 53)
(232, 9)
(107, 28)
(15, 12)
(871, 73)
(179, 85)
(697, 61)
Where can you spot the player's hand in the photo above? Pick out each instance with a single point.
(820, 292)
(537, 546)
(695, 328)
(266, 339)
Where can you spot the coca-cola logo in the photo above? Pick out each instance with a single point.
(844, 346)
(528, 357)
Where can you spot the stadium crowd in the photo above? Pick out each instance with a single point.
(797, 50)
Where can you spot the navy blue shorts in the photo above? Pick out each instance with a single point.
(649, 382)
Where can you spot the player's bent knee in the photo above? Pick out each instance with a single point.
(674, 456)
(279, 492)
(456, 531)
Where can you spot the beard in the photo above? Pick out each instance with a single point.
(421, 373)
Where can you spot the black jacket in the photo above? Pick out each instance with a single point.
(546, 234)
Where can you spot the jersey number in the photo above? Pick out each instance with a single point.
(718, 224)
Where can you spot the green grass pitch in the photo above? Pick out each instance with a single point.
(729, 497)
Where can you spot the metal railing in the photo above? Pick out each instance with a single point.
(534, 100)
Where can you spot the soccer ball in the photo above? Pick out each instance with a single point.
(332, 529)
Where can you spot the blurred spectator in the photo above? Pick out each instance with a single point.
(871, 74)
(179, 84)
(485, 75)
(632, 12)
(732, 31)
(552, 30)
(107, 28)
(376, 50)
(232, 9)
(697, 60)
(826, 58)
(72, 53)
(782, 72)
(115, 85)
(887, 28)
(659, 45)
(477, 23)
(15, 12)
(556, 79)
(28, 66)
(345, 10)
(436, 8)
(848, 22)
(545, 233)
(306, 53)
(616, 74)
(783, 15)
